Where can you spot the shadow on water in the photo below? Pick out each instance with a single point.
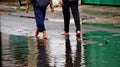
(102, 49)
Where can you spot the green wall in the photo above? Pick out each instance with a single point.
(101, 2)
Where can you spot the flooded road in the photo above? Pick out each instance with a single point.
(19, 51)
(98, 46)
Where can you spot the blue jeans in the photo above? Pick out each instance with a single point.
(66, 14)
(39, 17)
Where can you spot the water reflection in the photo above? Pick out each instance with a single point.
(23, 52)
(102, 49)
(68, 53)
(77, 59)
(19, 50)
(42, 54)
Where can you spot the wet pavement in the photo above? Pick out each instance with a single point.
(102, 49)
(98, 47)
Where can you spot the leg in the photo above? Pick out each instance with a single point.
(40, 16)
(36, 32)
(66, 15)
(75, 12)
(44, 31)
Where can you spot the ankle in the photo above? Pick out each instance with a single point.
(36, 32)
(44, 33)
(78, 31)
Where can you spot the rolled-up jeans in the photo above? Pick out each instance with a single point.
(39, 17)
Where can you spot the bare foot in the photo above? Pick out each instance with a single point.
(36, 32)
(78, 33)
(64, 33)
(44, 35)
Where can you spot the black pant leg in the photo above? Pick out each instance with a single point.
(66, 15)
(75, 13)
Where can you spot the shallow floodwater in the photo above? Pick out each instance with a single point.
(96, 49)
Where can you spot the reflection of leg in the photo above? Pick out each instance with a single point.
(37, 42)
(77, 59)
(68, 53)
(45, 42)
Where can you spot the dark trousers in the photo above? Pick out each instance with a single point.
(66, 14)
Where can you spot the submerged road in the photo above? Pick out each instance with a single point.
(99, 46)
